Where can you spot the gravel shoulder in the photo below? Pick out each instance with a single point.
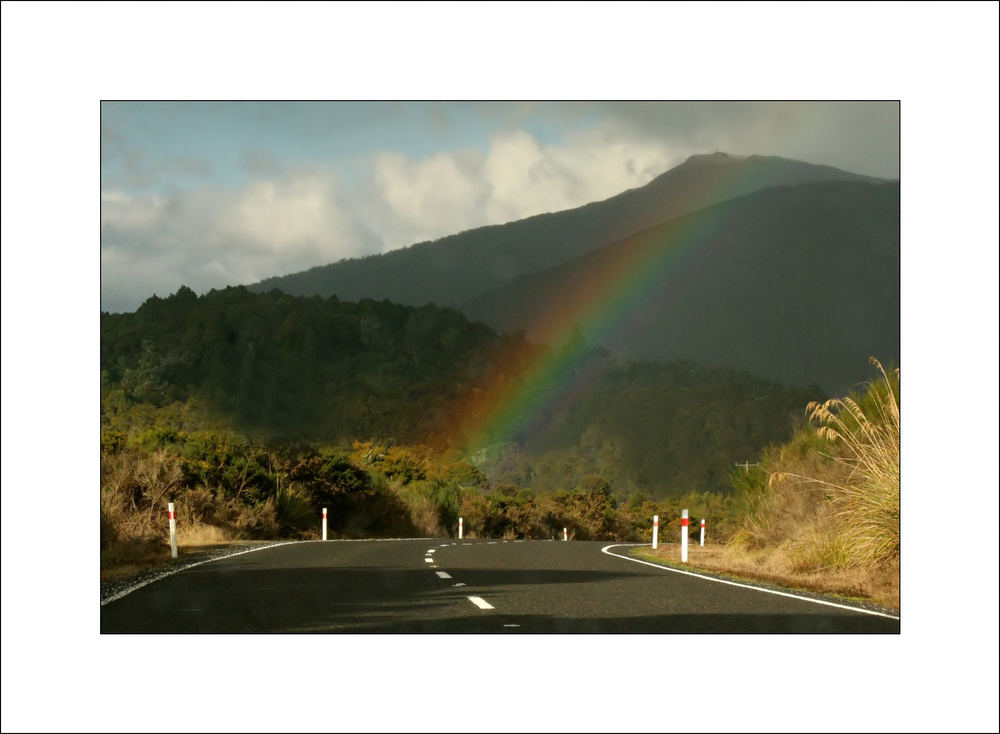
(643, 553)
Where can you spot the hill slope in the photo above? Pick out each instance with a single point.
(797, 284)
(281, 368)
(457, 268)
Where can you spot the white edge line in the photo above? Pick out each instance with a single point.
(171, 572)
(735, 583)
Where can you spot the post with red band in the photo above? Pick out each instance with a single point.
(656, 527)
(324, 523)
(565, 534)
(702, 531)
(684, 536)
(173, 529)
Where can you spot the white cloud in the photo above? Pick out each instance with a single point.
(213, 237)
(294, 219)
(124, 212)
(516, 177)
(424, 199)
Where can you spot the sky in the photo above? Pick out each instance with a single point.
(208, 194)
(60, 60)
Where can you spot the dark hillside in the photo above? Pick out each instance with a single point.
(460, 267)
(797, 284)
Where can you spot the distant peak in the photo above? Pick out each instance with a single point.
(708, 159)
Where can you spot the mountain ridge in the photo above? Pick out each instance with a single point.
(456, 268)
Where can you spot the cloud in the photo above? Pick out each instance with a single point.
(259, 162)
(286, 220)
(862, 137)
(516, 177)
(212, 237)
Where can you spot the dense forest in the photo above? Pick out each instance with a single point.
(286, 370)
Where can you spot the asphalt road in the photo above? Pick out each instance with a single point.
(447, 586)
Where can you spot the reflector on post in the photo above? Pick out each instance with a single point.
(684, 536)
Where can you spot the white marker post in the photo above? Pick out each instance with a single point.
(684, 536)
(565, 534)
(656, 529)
(459, 528)
(324, 523)
(173, 529)
(703, 531)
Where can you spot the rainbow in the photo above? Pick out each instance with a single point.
(522, 389)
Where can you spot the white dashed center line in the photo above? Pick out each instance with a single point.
(443, 574)
(432, 550)
(428, 560)
(458, 584)
(479, 602)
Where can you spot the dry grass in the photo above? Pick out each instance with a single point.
(822, 512)
(862, 526)
(781, 565)
(423, 512)
(202, 535)
(135, 490)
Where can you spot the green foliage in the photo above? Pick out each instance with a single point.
(461, 473)
(390, 380)
(276, 365)
(294, 510)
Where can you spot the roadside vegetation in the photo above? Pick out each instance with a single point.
(227, 488)
(821, 512)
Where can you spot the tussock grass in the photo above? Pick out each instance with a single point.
(864, 494)
(826, 504)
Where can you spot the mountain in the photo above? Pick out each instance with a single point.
(798, 284)
(458, 268)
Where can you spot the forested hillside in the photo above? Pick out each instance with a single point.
(286, 369)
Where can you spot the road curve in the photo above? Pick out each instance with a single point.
(449, 586)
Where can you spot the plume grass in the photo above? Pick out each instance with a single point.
(863, 497)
